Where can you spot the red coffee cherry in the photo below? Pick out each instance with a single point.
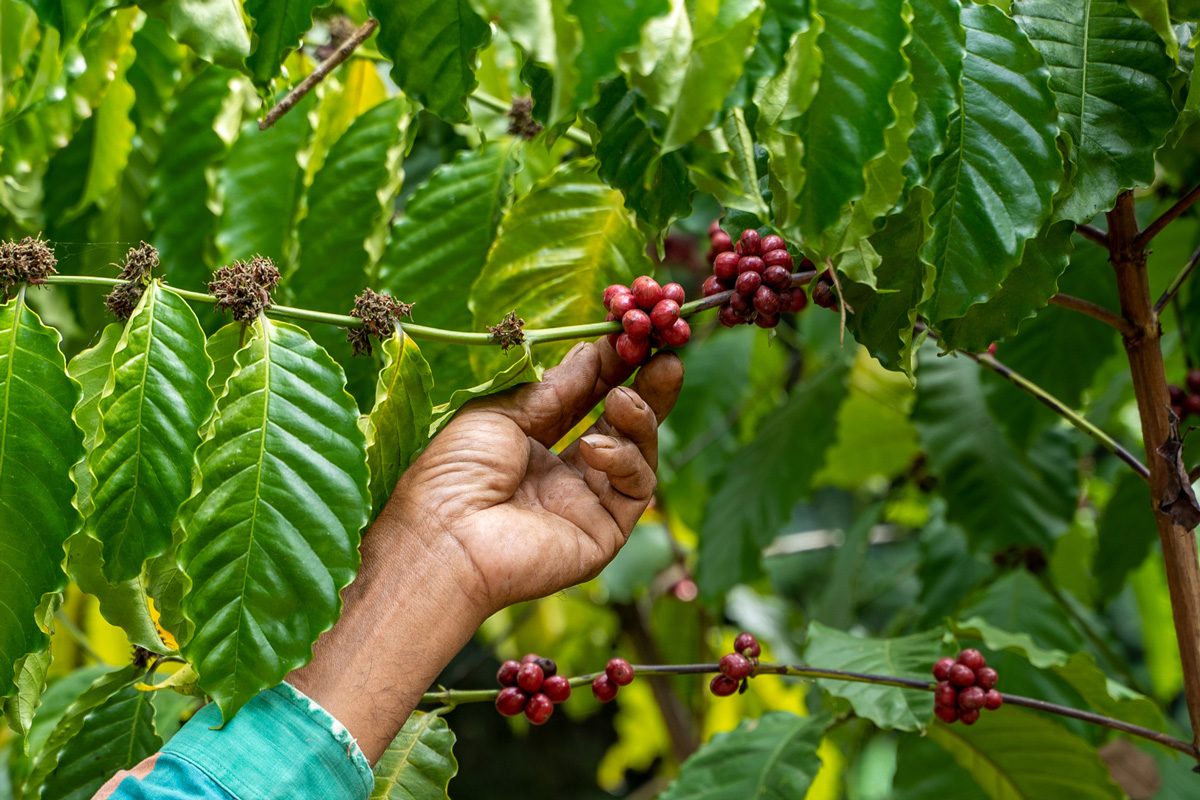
(530, 677)
(777, 277)
(723, 685)
(538, 709)
(971, 698)
(972, 658)
(736, 666)
(510, 701)
(1191, 406)
(772, 242)
(797, 301)
(993, 700)
(986, 678)
(678, 334)
(945, 694)
(557, 688)
(747, 283)
(721, 242)
(747, 645)
(766, 320)
(941, 670)
(664, 314)
(632, 350)
(619, 671)
(766, 301)
(750, 264)
(947, 714)
(1193, 380)
(646, 291)
(712, 285)
(822, 295)
(749, 242)
(612, 291)
(603, 689)
(673, 291)
(622, 304)
(714, 227)
(728, 317)
(741, 304)
(507, 674)
(969, 717)
(962, 675)
(1177, 394)
(778, 258)
(637, 323)
(725, 266)
(529, 658)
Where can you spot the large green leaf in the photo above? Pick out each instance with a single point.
(725, 163)
(993, 186)
(221, 347)
(1000, 494)
(115, 735)
(112, 138)
(844, 126)
(151, 411)
(278, 28)
(419, 763)
(1158, 14)
(442, 240)
(1112, 79)
(608, 28)
(520, 369)
(432, 46)
(398, 426)
(774, 756)
(558, 247)
(181, 204)
(272, 527)
(19, 709)
(750, 507)
(213, 28)
(936, 54)
(70, 16)
(689, 60)
(260, 184)
(38, 445)
(907, 657)
(1127, 533)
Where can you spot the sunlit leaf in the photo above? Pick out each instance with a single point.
(214, 29)
(278, 27)
(419, 763)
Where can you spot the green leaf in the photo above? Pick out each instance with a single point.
(728, 170)
(1111, 78)
(774, 756)
(689, 60)
(112, 138)
(181, 203)
(1127, 533)
(1011, 754)
(1158, 14)
(20, 708)
(521, 369)
(419, 763)
(889, 707)
(432, 46)
(609, 28)
(750, 507)
(272, 527)
(214, 29)
(443, 238)
(397, 428)
(70, 16)
(655, 186)
(260, 184)
(993, 186)
(221, 347)
(151, 411)
(279, 26)
(38, 445)
(936, 54)
(557, 249)
(1000, 494)
(844, 127)
(90, 368)
(117, 734)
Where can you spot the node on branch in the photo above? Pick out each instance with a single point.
(136, 271)
(30, 260)
(521, 119)
(509, 332)
(380, 313)
(243, 288)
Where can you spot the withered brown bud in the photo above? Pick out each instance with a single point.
(244, 287)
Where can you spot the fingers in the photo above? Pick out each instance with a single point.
(547, 410)
(621, 460)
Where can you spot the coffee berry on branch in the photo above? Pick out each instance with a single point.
(617, 673)
(531, 685)
(649, 313)
(737, 667)
(966, 686)
(758, 269)
(1185, 400)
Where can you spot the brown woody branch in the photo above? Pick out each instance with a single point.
(1093, 310)
(1177, 282)
(1142, 239)
(1095, 234)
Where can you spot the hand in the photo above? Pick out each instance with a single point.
(523, 521)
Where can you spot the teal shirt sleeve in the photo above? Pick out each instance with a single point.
(281, 744)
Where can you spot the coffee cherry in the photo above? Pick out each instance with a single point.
(778, 258)
(678, 334)
(962, 675)
(1179, 411)
(664, 314)
(557, 688)
(728, 317)
(1177, 394)
(723, 685)
(945, 694)
(766, 301)
(736, 666)
(529, 658)
(612, 291)
(748, 243)
(747, 645)
(741, 304)
(721, 242)
(673, 291)
(712, 285)
(507, 674)
(772, 242)
(622, 304)
(637, 323)
(972, 658)
(1193, 380)
(530, 677)
(947, 714)
(747, 283)
(603, 689)
(646, 291)
(969, 717)
(993, 700)
(971, 698)
(725, 266)
(632, 350)
(619, 671)
(549, 668)
(777, 277)
(510, 701)
(750, 264)
(941, 670)
(986, 678)
(1192, 405)
(714, 227)
(766, 320)
(538, 709)
(822, 295)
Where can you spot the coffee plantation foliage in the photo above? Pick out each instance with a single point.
(861, 497)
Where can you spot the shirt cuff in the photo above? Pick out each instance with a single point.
(281, 744)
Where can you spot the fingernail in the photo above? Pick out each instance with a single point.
(599, 441)
(633, 397)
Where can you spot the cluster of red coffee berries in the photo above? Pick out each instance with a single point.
(759, 271)
(617, 673)
(736, 667)
(649, 313)
(966, 686)
(1185, 402)
(531, 685)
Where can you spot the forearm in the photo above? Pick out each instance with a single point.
(407, 614)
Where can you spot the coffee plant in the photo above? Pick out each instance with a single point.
(928, 265)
